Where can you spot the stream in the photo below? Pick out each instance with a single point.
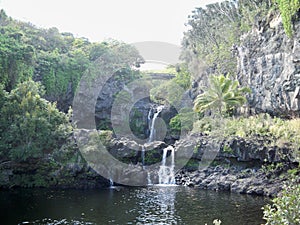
(124, 205)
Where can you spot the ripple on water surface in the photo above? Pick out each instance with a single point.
(148, 205)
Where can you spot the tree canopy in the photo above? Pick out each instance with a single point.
(40, 70)
(213, 30)
(57, 60)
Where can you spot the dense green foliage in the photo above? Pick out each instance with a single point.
(57, 60)
(285, 208)
(275, 131)
(183, 77)
(183, 121)
(16, 55)
(288, 8)
(171, 91)
(223, 95)
(29, 125)
(215, 29)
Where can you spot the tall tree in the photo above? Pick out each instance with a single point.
(215, 29)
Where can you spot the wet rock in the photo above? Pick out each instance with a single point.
(247, 181)
(155, 145)
(124, 148)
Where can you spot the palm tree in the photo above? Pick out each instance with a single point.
(222, 95)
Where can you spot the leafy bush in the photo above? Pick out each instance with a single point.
(30, 125)
(168, 92)
(222, 95)
(285, 208)
(183, 121)
(105, 136)
(183, 77)
(281, 132)
(171, 91)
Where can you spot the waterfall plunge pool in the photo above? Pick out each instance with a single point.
(124, 205)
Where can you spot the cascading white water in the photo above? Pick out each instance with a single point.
(166, 172)
(143, 147)
(143, 156)
(151, 123)
(149, 119)
(152, 127)
(149, 181)
(111, 182)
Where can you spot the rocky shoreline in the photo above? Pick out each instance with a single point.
(239, 165)
(247, 181)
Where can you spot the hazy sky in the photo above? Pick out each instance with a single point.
(129, 21)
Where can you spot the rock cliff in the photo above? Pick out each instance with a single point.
(236, 165)
(269, 63)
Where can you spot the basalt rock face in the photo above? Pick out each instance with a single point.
(246, 181)
(269, 63)
(238, 152)
(130, 151)
(114, 102)
(237, 165)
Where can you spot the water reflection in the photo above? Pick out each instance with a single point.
(151, 205)
(157, 204)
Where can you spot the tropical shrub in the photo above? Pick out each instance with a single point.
(168, 92)
(222, 95)
(30, 125)
(172, 91)
(183, 121)
(285, 208)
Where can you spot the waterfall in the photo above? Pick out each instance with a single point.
(111, 182)
(152, 127)
(143, 156)
(143, 147)
(149, 119)
(149, 178)
(166, 172)
(151, 123)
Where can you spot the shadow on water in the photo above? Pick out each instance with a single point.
(123, 205)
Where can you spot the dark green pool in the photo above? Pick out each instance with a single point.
(150, 205)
